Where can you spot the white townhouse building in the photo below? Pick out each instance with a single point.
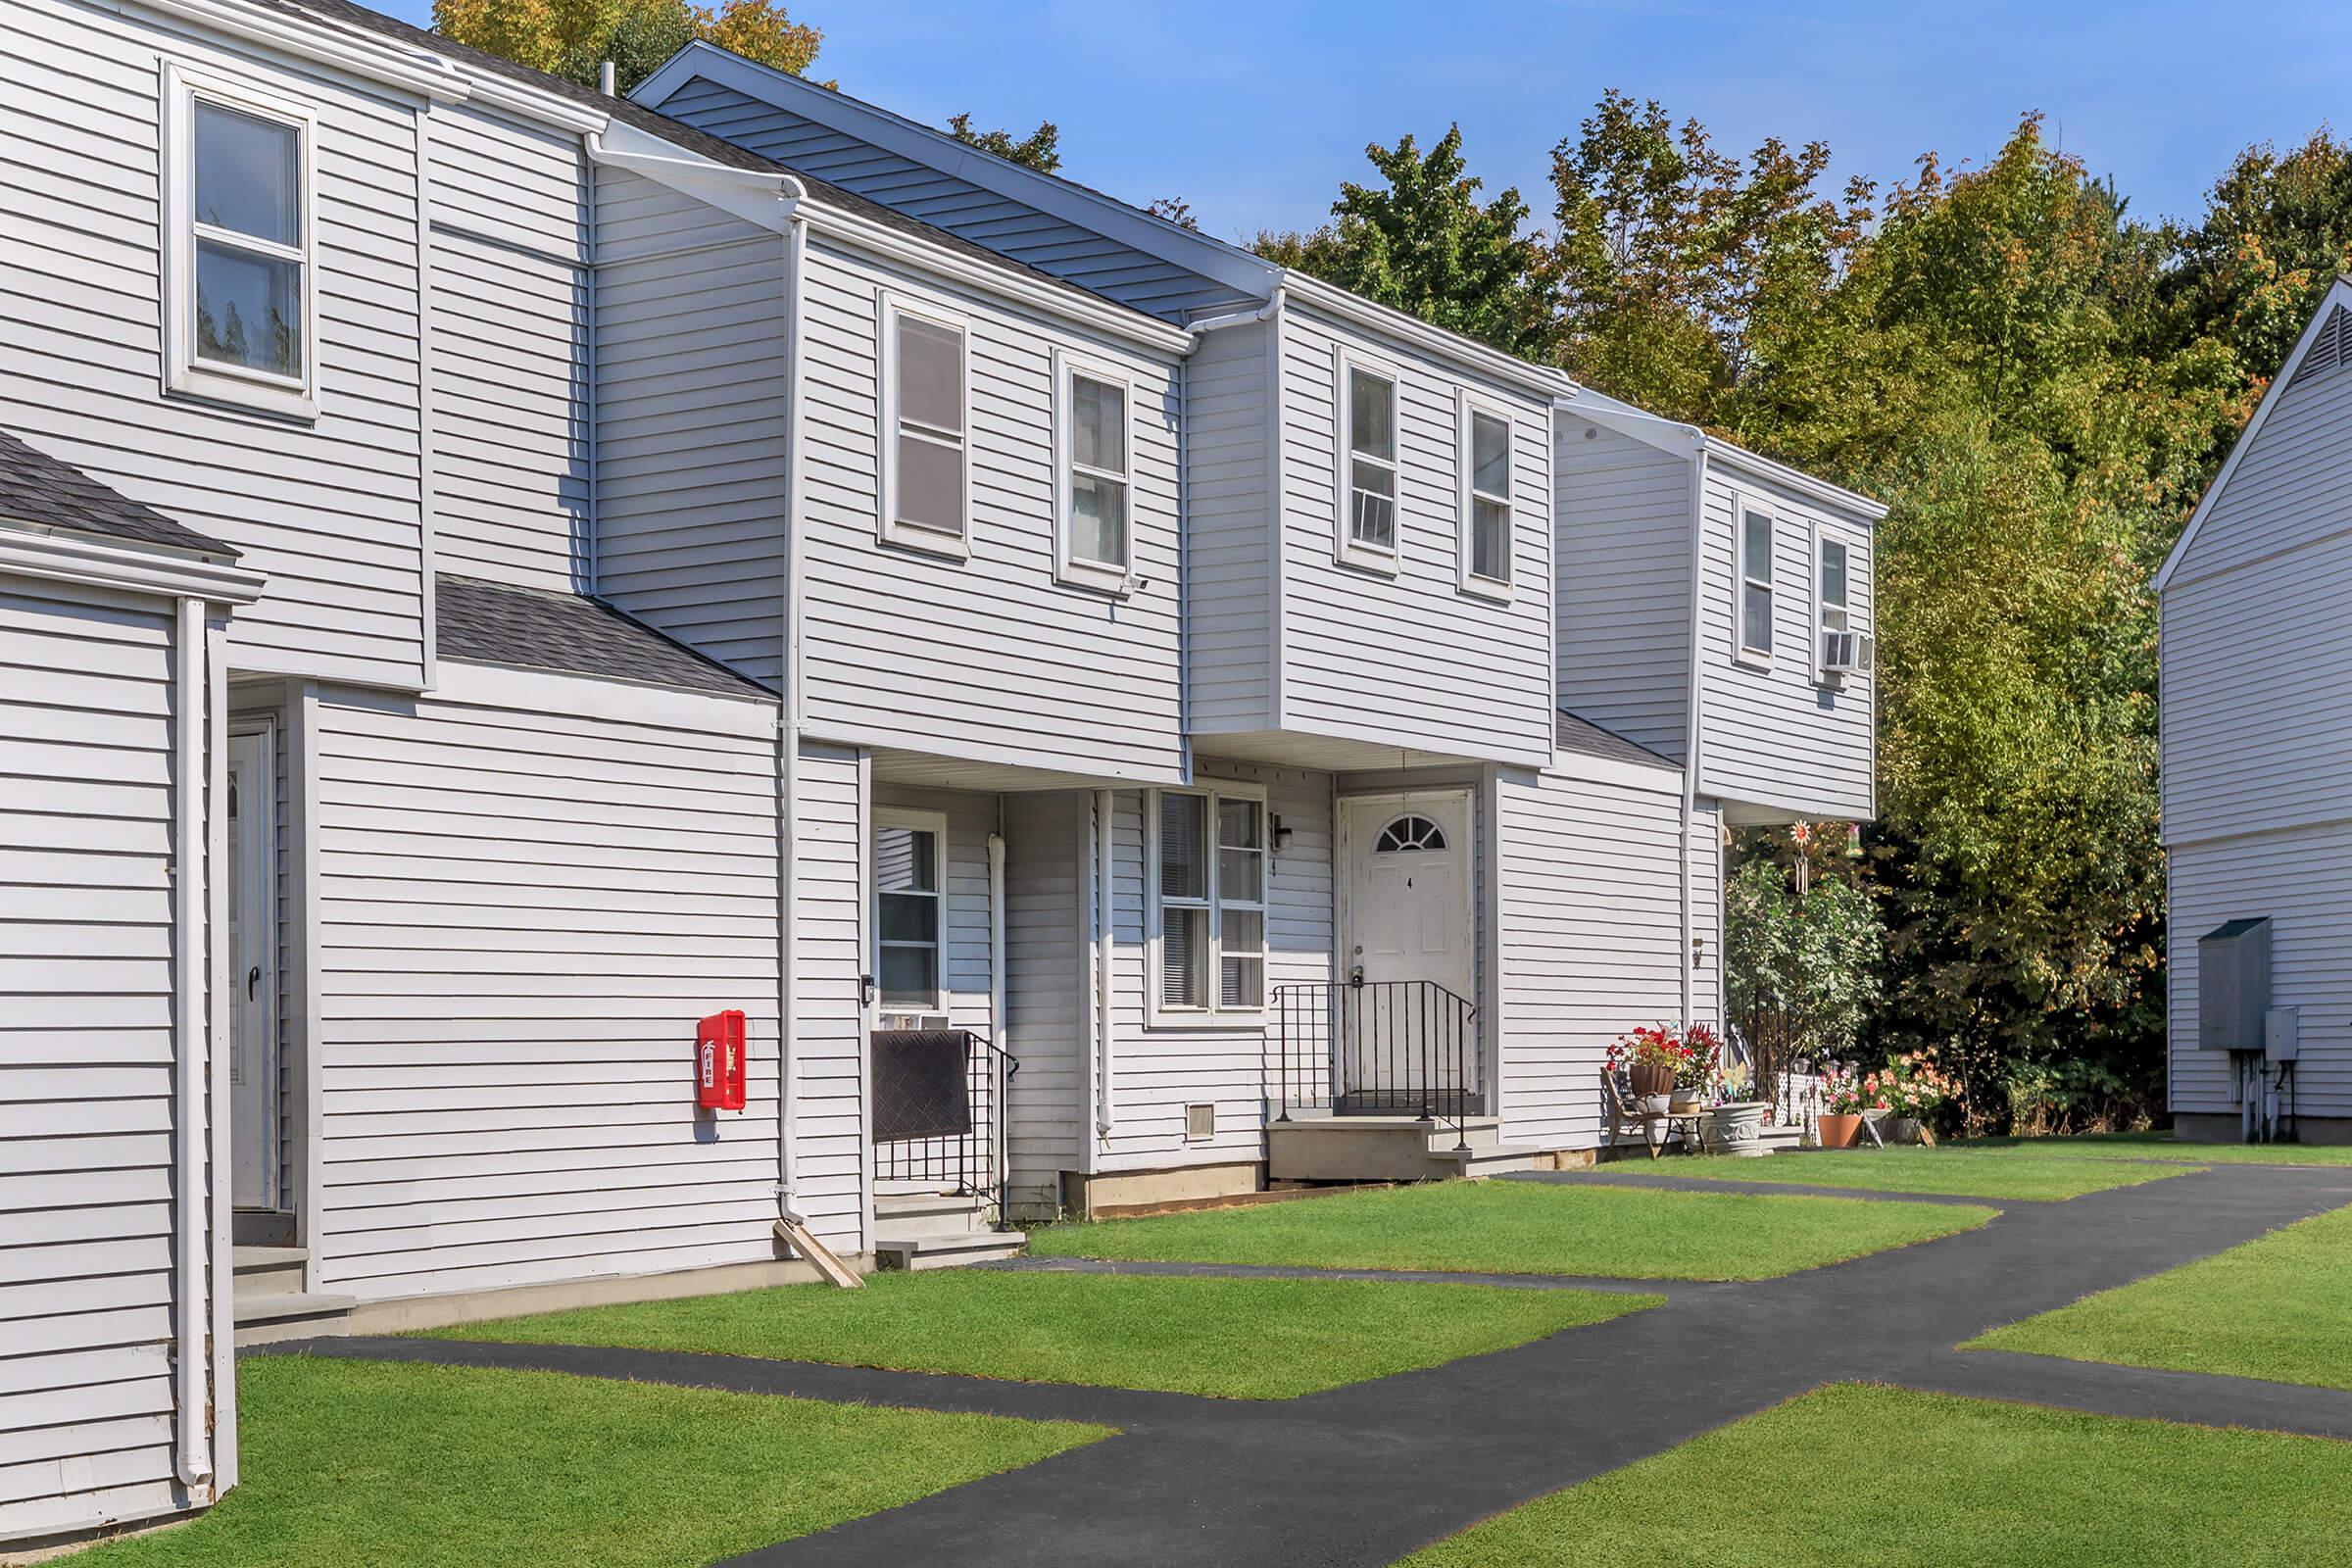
(2256, 713)
(496, 581)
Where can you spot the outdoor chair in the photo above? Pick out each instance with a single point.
(1626, 1114)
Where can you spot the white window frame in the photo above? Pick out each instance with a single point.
(1467, 409)
(934, 823)
(1069, 570)
(1347, 549)
(1824, 536)
(891, 310)
(1743, 506)
(1162, 1014)
(184, 374)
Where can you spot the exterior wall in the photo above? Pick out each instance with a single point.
(1411, 659)
(691, 378)
(1622, 563)
(1047, 964)
(522, 910)
(1773, 737)
(987, 657)
(938, 196)
(1230, 586)
(88, 1062)
(831, 1164)
(1591, 936)
(331, 509)
(509, 351)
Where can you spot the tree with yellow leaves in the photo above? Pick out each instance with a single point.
(574, 37)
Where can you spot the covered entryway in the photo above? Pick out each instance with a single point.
(1405, 1027)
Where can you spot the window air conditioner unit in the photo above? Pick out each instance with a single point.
(1844, 652)
(911, 1020)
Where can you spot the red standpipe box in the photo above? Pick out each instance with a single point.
(720, 1073)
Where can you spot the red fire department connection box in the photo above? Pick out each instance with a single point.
(720, 1073)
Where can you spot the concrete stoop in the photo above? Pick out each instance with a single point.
(1324, 1147)
(270, 1302)
(920, 1231)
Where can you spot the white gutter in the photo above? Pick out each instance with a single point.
(1541, 380)
(192, 1233)
(1106, 928)
(1217, 324)
(1690, 728)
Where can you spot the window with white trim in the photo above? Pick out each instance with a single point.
(926, 463)
(1097, 467)
(239, 284)
(1367, 464)
(1209, 873)
(910, 909)
(1833, 615)
(1485, 501)
(1754, 633)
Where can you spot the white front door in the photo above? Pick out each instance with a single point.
(253, 971)
(1406, 1030)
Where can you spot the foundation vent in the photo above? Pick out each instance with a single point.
(1199, 1122)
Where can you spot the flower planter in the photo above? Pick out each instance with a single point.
(1651, 1078)
(1733, 1129)
(1685, 1101)
(1656, 1104)
(1900, 1129)
(1837, 1132)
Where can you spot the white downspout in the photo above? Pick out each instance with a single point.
(1691, 730)
(791, 719)
(1106, 928)
(191, 1226)
(996, 938)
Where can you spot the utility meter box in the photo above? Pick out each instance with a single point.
(2234, 986)
(2279, 1026)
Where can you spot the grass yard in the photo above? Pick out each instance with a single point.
(357, 1464)
(1233, 1338)
(1902, 1479)
(1528, 1228)
(2022, 1172)
(2160, 1146)
(2279, 1308)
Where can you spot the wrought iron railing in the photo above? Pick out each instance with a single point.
(939, 1111)
(1380, 1047)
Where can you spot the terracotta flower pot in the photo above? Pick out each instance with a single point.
(1651, 1078)
(1837, 1132)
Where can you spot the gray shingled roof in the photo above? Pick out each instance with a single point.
(678, 133)
(532, 628)
(38, 488)
(1573, 734)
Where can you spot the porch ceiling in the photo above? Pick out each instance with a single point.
(923, 770)
(1323, 754)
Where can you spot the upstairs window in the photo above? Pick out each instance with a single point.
(1209, 904)
(926, 467)
(1486, 502)
(1842, 641)
(238, 309)
(1755, 584)
(1095, 544)
(1367, 466)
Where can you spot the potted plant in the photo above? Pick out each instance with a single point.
(1700, 1060)
(1735, 1123)
(1650, 1057)
(1913, 1088)
(1842, 1103)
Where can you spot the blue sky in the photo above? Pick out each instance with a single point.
(1254, 113)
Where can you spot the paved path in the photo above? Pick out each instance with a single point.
(1362, 1475)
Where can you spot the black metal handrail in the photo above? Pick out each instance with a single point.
(1358, 1047)
(939, 1111)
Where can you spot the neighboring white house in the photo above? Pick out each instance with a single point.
(1118, 719)
(2257, 734)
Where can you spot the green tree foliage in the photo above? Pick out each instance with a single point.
(574, 37)
(2276, 232)
(1040, 150)
(1800, 970)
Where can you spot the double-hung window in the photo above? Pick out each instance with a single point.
(239, 303)
(1095, 546)
(910, 893)
(1485, 501)
(1841, 646)
(926, 462)
(1367, 465)
(1754, 631)
(1209, 866)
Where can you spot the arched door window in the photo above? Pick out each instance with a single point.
(1408, 834)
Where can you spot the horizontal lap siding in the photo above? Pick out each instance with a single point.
(987, 658)
(692, 383)
(2290, 487)
(510, 351)
(1012, 229)
(1623, 567)
(1776, 737)
(829, 1056)
(1590, 941)
(86, 1061)
(1410, 660)
(2301, 879)
(521, 917)
(1046, 971)
(1229, 597)
(329, 510)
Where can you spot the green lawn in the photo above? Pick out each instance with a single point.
(1529, 1228)
(2279, 1308)
(1900, 1479)
(1233, 1338)
(360, 1464)
(2017, 1173)
(2160, 1146)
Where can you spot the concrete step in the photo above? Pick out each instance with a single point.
(290, 1315)
(918, 1251)
(930, 1211)
(265, 1271)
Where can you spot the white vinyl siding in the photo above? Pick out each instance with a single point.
(331, 511)
(1231, 586)
(829, 1044)
(691, 391)
(986, 658)
(88, 1217)
(1623, 530)
(521, 916)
